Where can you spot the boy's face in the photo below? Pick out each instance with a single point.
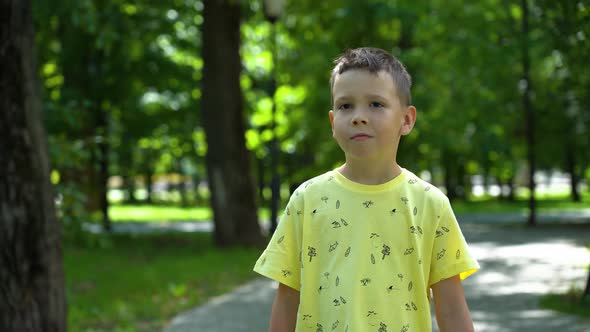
(367, 116)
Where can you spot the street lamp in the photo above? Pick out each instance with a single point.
(272, 10)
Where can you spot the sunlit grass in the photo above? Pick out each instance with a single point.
(157, 213)
(137, 283)
(173, 212)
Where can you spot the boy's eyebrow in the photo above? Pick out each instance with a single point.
(369, 96)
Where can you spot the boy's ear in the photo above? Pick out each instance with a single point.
(409, 120)
(331, 116)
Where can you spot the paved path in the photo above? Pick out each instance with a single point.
(519, 265)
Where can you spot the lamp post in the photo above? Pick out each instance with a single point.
(272, 10)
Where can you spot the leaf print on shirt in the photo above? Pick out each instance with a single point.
(412, 181)
(319, 328)
(343, 222)
(401, 277)
(372, 259)
(327, 275)
(415, 210)
(376, 240)
(311, 252)
(335, 325)
(337, 204)
(382, 327)
(439, 233)
(391, 289)
(337, 281)
(372, 318)
(368, 204)
(333, 246)
(386, 251)
(408, 251)
(445, 229)
(286, 273)
(335, 224)
(416, 230)
(412, 306)
(405, 200)
(410, 285)
(325, 199)
(405, 328)
(458, 254)
(287, 211)
(281, 239)
(347, 252)
(307, 321)
(365, 281)
(440, 254)
(342, 300)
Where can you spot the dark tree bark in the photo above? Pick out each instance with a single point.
(228, 166)
(571, 170)
(31, 272)
(529, 115)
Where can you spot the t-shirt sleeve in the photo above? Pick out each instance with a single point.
(450, 253)
(281, 259)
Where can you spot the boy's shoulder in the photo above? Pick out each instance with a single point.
(314, 183)
(417, 184)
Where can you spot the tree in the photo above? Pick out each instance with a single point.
(31, 272)
(228, 165)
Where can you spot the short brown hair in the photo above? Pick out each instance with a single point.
(374, 60)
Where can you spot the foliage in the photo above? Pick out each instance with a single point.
(138, 283)
(139, 63)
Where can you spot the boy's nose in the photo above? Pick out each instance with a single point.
(359, 118)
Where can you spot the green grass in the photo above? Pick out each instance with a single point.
(544, 203)
(147, 213)
(157, 213)
(138, 283)
(570, 303)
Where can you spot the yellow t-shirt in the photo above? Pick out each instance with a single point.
(363, 257)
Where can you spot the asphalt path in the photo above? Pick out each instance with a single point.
(518, 266)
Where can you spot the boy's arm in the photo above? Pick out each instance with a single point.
(450, 306)
(284, 310)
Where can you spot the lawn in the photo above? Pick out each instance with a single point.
(138, 283)
(157, 213)
(173, 212)
(569, 303)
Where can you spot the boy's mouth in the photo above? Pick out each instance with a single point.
(360, 137)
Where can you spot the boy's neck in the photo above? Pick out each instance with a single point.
(369, 174)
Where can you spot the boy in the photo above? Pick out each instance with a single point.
(359, 248)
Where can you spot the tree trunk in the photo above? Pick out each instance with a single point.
(571, 169)
(586, 294)
(148, 174)
(228, 166)
(32, 296)
(529, 115)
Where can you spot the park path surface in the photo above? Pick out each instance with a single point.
(519, 265)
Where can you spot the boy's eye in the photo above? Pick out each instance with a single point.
(345, 106)
(376, 104)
